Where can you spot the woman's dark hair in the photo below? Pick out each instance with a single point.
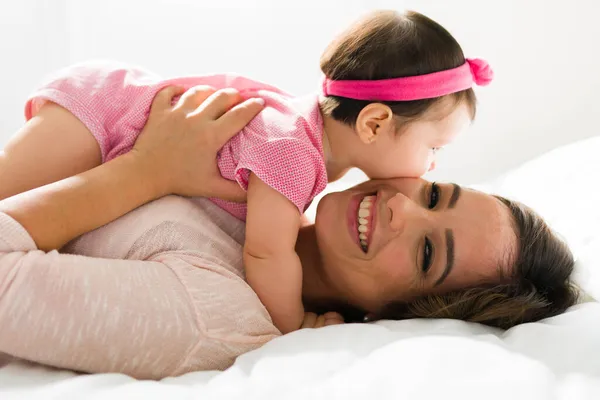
(539, 285)
(388, 44)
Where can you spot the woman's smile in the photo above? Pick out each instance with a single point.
(361, 216)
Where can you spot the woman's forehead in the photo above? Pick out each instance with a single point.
(485, 238)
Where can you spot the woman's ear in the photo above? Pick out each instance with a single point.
(374, 120)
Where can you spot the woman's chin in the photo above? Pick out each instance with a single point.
(330, 221)
(324, 215)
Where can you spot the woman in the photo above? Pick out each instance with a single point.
(160, 291)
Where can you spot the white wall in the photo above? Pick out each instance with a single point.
(544, 53)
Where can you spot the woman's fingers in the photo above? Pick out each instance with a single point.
(233, 121)
(188, 138)
(222, 106)
(219, 103)
(164, 98)
(193, 97)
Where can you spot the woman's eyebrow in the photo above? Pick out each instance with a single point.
(449, 257)
(456, 190)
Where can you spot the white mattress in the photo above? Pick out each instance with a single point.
(558, 358)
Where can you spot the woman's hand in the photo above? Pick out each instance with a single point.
(175, 154)
(312, 320)
(179, 143)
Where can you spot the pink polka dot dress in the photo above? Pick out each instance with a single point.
(282, 145)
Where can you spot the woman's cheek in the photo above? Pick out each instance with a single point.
(402, 265)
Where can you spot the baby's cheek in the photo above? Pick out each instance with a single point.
(419, 162)
(410, 168)
(385, 169)
(431, 162)
(418, 169)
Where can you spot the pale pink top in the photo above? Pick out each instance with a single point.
(158, 292)
(282, 145)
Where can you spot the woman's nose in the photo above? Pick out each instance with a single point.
(401, 208)
(432, 166)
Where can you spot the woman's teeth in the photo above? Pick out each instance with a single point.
(364, 211)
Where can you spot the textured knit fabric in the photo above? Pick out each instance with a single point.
(282, 145)
(158, 292)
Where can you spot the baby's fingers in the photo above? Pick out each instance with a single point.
(312, 320)
(333, 318)
(309, 320)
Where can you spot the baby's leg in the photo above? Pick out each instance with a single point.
(52, 145)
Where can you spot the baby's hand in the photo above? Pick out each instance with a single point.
(312, 320)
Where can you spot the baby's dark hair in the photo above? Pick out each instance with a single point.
(389, 44)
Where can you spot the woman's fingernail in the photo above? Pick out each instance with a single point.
(260, 101)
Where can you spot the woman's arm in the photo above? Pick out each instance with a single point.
(57, 213)
(140, 318)
(273, 268)
(171, 156)
(96, 315)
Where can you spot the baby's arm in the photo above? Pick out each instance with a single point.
(273, 268)
(51, 146)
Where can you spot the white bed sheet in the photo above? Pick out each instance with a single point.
(558, 358)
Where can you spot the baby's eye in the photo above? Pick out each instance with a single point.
(435, 149)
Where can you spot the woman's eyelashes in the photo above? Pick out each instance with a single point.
(434, 196)
(427, 256)
(433, 200)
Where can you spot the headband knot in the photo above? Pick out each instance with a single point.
(481, 70)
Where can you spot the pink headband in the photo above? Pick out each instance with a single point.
(473, 71)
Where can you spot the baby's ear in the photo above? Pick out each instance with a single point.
(374, 120)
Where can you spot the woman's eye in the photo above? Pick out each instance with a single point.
(435, 149)
(434, 196)
(427, 253)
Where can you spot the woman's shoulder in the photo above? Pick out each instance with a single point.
(169, 224)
